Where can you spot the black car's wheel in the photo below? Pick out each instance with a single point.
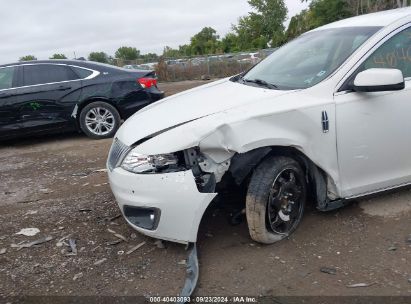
(99, 120)
(275, 199)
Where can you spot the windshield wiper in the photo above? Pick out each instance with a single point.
(261, 83)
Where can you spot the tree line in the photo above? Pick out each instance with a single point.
(261, 28)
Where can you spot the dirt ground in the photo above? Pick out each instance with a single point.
(55, 184)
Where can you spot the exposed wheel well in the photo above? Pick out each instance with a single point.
(243, 165)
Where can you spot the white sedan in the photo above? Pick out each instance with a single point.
(327, 114)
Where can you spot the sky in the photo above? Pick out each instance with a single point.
(45, 27)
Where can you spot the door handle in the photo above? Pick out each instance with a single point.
(63, 88)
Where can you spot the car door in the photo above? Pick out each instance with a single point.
(9, 122)
(373, 129)
(47, 96)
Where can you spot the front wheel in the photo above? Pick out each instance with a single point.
(276, 199)
(99, 120)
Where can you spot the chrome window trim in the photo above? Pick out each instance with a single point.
(93, 75)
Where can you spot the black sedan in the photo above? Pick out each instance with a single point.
(52, 96)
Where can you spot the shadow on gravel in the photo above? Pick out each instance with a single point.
(42, 139)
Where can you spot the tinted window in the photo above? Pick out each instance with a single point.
(395, 53)
(6, 78)
(44, 73)
(82, 73)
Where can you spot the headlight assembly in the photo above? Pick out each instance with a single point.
(140, 163)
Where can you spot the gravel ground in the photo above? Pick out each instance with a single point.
(55, 184)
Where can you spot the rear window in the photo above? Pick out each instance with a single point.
(47, 73)
(82, 73)
(6, 78)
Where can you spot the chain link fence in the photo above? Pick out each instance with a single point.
(199, 67)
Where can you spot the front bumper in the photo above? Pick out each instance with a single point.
(175, 195)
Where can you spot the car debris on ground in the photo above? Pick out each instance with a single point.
(135, 248)
(329, 270)
(159, 244)
(118, 235)
(73, 247)
(361, 285)
(96, 263)
(33, 243)
(29, 231)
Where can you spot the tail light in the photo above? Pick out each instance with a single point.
(147, 82)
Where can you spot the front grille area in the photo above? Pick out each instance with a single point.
(117, 152)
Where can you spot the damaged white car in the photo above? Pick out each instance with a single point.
(326, 116)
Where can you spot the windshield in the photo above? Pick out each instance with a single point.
(308, 59)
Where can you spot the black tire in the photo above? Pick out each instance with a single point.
(272, 198)
(107, 127)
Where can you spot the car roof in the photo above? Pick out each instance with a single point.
(379, 19)
(80, 63)
(55, 61)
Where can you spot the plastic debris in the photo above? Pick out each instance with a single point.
(100, 170)
(85, 210)
(77, 276)
(118, 235)
(73, 247)
(96, 263)
(114, 242)
(192, 272)
(29, 231)
(135, 248)
(361, 285)
(159, 244)
(61, 242)
(328, 270)
(30, 244)
(31, 212)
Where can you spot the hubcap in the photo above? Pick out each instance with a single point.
(284, 206)
(100, 121)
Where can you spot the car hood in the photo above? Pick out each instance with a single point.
(190, 105)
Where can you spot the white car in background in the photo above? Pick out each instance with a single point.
(326, 114)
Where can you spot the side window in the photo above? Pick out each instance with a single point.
(395, 53)
(47, 73)
(82, 73)
(6, 78)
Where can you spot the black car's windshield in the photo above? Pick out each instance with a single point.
(308, 59)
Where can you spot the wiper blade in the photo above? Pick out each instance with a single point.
(261, 83)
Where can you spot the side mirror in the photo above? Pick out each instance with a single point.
(379, 80)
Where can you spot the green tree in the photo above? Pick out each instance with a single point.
(359, 7)
(127, 53)
(299, 24)
(27, 58)
(58, 56)
(185, 50)
(149, 57)
(264, 27)
(229, 43)
(169, 52)
(98, 57)
(205, 42)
